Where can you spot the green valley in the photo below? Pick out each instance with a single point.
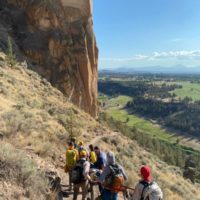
(148, 110)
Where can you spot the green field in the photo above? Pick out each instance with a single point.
(191, 90)
(141, 124)
(133, 121)
(119, 101)
(102, 97)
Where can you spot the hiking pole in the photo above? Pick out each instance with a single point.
(123, 187)
(126, 187)
(125, 192)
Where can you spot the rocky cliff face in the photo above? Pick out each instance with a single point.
(57, 37)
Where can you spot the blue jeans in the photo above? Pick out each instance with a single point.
(109, 195)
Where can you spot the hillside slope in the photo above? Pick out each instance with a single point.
(35, 123)
(35, 119)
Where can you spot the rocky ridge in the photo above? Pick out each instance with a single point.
(56, 37)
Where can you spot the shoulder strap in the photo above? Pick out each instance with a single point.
(111, 168)
(145, 184)
(115, 169)
(81, 162)
(114, 166)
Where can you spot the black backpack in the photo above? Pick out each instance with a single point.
(77, 172)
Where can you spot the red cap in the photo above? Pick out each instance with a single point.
(145, 172)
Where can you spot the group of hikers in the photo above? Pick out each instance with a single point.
(82, 164)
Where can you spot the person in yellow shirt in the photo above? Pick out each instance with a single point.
(92, 154)
(81, 147)
(72, 156)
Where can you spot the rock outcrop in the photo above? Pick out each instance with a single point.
(56, 37)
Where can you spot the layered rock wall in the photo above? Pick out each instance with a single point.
(57, 37)
(85, 6)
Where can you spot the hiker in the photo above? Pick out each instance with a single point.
(72, 156)
(99, 164)
(73, 140)
(112, 178)
(80, 176)
(147, 189)
(92, 154)
(81, 147)
(101, 160)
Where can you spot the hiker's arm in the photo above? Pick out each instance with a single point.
(86, 170)
(101, 164)
(124, 174)
(66, 158)
(77, 155)
(104, 174)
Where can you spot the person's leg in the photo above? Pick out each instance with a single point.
(114, 196)
(76, 191)
(100, 189)
(106, 194)
(84, 187)
(70, 182)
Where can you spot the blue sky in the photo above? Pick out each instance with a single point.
(135, 33)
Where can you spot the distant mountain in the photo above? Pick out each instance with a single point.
(179, 69)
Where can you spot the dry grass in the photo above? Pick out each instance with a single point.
(37, 119)
(18, 169)
(35, 114)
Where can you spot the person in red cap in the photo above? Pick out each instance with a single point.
(147, 189)
(145, 172)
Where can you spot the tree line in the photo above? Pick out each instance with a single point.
(158, 102)
(173, 154)
(182, 115)
(137, 88)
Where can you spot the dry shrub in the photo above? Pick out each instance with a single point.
(43, 149)
(17, 168)
(133, 178)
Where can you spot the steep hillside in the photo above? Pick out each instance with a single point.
(36, 119)
(56, 37)
(35, 123)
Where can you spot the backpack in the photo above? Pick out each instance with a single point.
(116, 179)
(151, 191)
(77, 172)
(71, 158)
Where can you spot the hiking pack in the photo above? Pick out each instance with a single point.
(151, 191)
(116, 179)
(77, 172)
(71, 158)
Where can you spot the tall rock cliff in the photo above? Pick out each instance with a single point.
(57, 37)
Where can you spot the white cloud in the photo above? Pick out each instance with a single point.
(177, 54)
(176, 40)
(134, 58)
(158, 56)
